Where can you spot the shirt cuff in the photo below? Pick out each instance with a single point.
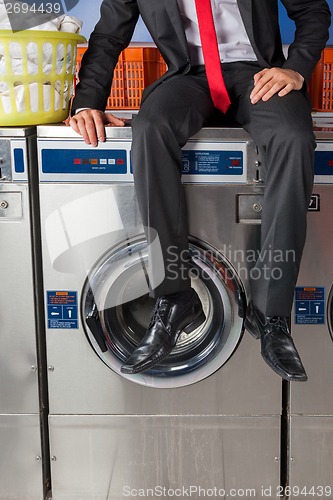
(80, 109)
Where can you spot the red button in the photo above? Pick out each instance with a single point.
(235, 163)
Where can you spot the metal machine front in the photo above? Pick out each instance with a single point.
(214, 388)
(311, 404)
(20, 435)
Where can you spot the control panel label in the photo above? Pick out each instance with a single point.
(212, 162)
(309, 305)
(323, 163)
(84, 161)
(62, 309)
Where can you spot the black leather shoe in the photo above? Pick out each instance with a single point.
(168, 320)
(277, 346)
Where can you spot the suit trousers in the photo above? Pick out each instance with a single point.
(280, 127)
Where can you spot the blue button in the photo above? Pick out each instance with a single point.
(19, 160)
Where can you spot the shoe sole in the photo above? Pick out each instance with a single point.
(254, 334)
(282, 375)
(188, 329)
(250, 329)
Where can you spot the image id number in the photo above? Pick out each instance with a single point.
(25, 8)
(305, 491)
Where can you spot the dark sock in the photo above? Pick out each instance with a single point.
(181, 297)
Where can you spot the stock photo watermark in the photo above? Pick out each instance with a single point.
(196, 491)
(246, 264)
(29, 14)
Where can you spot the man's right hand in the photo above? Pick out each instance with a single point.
(90, 123)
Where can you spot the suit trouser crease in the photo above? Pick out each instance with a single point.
(165, 122)
(280, 127)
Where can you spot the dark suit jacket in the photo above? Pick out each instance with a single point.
(114, 31)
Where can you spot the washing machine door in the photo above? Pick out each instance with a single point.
(116, 310)
(330, 312)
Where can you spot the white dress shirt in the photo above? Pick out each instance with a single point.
(233, 42)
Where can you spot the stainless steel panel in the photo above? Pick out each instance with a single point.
(250, 208)
(11, 205)
(61, 131)
(13, 132)
(218, 223)
(5, 160)
(105, 458)
(311, 457)
(224, 139)
(314, 342)
(92, 388)
(105, 430)
(18, 377)
(323, 125)
(20, 464)
(243, 386)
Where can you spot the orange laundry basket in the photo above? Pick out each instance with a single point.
(137, 68)
(321, 83)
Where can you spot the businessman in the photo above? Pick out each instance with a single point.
(223, 54)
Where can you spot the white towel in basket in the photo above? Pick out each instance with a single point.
(48, 95)
(20, 64)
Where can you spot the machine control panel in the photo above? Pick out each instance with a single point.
(73, 160)
(323, 165)
(209, 162)
(214, 155)
(203, 161)
(78, 161)
(222, 161)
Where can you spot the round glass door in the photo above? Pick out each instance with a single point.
(116, 309)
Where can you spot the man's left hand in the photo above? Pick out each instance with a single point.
(272, 81)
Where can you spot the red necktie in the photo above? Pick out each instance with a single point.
(211, 55)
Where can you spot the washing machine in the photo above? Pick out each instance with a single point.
(207, 419)
(21, 427)
(311, 404)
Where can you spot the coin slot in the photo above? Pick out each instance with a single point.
(249, 208)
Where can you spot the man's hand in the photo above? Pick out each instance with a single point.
(272, 81)
(90, 124)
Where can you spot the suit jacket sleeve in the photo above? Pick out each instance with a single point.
(111, 35)
(312, 19)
